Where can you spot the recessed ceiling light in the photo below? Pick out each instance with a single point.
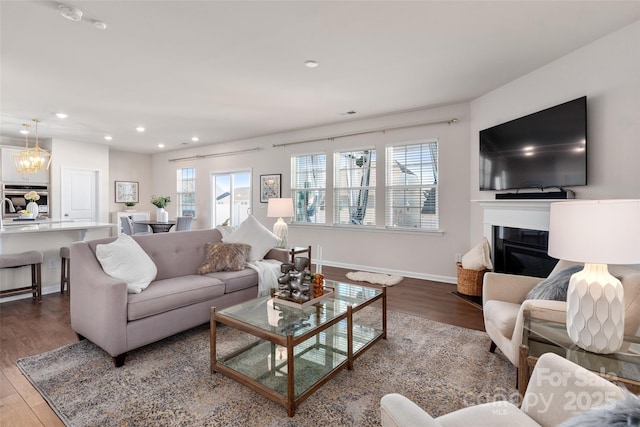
(160, 145)
(100, 25)
(310, 63)
(195, 139)
(108, 137)
(71, 13)
(61, 115)
(140, 129)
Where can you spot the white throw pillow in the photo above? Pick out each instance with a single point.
(125, 260)
(478, 257)
(251, 232)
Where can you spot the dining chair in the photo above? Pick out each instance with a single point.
(139, 228)
(183, 223)
(127, 225)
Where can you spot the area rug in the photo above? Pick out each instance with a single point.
(440, 367)
(375, 278)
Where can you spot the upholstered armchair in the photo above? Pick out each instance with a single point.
(504, 302)
(547, 401)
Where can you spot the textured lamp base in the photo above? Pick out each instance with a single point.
(281, 230)
(595, 310)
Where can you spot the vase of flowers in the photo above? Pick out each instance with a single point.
(32, 207)
(161, 202)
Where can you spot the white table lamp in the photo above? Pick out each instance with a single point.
(596, 232)
(279, 207)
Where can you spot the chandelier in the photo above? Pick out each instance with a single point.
(32, 160)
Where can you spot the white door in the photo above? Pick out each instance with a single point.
(79, 194)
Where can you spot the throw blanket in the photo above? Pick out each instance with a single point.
(268, 271)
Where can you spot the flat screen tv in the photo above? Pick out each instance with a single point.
(542, 150)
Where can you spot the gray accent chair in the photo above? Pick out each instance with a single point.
(558, 390)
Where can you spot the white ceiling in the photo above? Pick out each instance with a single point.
(230, 70)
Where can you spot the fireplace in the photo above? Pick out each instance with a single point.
(521, 251)
(518, 233)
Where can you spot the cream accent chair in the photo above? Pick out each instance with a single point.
(503, 302)
(557, 389)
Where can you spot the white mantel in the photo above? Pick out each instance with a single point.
(529, 214)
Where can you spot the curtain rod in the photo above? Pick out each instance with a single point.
(205, 156)
(364, 132)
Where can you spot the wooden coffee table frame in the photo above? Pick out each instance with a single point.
(290, 402)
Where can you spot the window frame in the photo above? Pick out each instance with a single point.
(180, 183)
(349, 190)
(232, 195)
(434, 165)
(320, 189)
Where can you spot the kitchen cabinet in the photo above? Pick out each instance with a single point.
(9, 173)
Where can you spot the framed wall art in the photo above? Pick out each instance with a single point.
(126, 191)
(270, 186)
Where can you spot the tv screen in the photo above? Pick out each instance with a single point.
(542, 150)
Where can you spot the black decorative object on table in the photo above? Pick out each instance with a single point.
(295, 282)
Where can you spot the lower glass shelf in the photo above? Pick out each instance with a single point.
(314, 359)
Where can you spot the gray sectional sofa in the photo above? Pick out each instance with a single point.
(178, 299)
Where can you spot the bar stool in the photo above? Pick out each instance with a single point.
(30, 258)
(65, 269)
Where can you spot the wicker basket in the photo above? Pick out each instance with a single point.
(470, 281)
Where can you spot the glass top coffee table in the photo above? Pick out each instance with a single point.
(291, 351)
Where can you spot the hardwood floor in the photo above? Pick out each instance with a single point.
(27, 328)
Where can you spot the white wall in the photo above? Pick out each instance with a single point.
(411, 254)
(127, 166)
(607, 72)
(82, 156)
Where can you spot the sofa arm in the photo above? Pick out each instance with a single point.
(396, 411)
(279, 254)
(507, 287)
(98, 302)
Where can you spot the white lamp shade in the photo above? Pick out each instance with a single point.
(595, 231)
(279, 207)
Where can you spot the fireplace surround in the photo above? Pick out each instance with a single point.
(518, 232)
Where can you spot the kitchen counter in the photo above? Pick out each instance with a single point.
(40, 226)
(46, 236)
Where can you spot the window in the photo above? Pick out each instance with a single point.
(231, 198)
(412, 185)
(186, 192)
(308, 187)
(355, 187)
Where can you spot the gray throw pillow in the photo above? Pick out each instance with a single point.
(555, 286)
(623, 413)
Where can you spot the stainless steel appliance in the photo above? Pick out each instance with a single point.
(16, 192)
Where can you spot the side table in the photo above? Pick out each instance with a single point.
(541, 336)
(300, 250)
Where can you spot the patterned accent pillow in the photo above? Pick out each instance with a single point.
(224, 257)
(554, 287)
